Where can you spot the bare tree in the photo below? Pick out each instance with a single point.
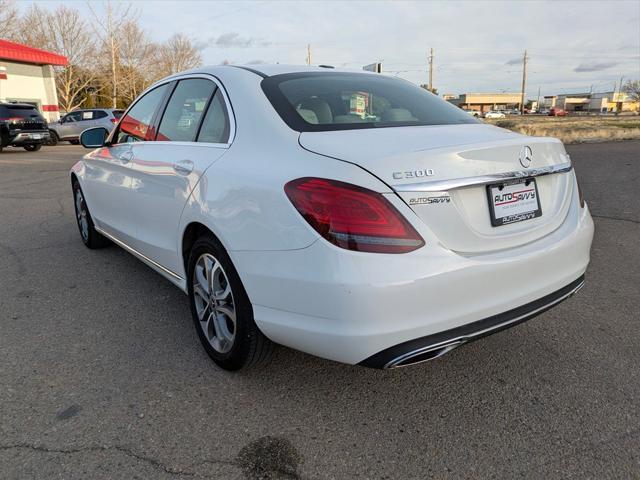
(632, 88)
(8, 19)
(109, 29)
(31, 28)
(73, 39)
(137, 70)
(176, 54)
(65, 32)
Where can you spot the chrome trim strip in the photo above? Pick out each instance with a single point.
(138, 254)
(445, 185)
(456, 342)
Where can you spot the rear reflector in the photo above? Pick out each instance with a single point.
(352, 217)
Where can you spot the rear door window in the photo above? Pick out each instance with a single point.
(99, 114)
(215, 127)
(185, 109)
(135, 126)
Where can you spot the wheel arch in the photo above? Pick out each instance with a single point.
(190, 235)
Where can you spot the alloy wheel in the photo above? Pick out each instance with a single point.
(81, 215)
(214, 303)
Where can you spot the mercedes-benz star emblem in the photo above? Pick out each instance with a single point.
(526, 156)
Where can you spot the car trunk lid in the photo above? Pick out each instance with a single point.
(442, 173)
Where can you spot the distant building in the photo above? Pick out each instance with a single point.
(483, 102)
(592, 102)
(27, 76)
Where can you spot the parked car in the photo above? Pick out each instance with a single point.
(494, 114)
(22, 125)
(350, 229)
(473, 113)
(71, 125)
(557, 112)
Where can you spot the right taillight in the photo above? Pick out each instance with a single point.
(352, 217)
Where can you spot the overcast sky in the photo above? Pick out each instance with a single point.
(573, 45)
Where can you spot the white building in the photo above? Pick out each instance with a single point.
(592, 102)
(27, 76)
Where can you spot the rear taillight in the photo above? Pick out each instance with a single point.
(352, 217)
(114, 120)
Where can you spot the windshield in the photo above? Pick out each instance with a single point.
(343, 101)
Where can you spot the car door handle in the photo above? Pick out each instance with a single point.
(125, 157)
(183, 167)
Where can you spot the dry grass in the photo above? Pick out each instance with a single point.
(574, 129)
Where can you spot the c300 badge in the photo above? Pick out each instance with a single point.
(427, 172)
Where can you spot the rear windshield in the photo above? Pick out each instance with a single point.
(117, 113)
(18, 111)
(343, 101)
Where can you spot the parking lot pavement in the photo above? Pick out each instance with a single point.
(102, 375)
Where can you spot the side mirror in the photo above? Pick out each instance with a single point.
(94, 137)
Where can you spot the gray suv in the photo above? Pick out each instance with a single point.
(70, 126)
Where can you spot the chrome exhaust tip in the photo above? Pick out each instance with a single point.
(424, 354)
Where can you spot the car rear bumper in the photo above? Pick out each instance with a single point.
(357, 307)
(436, 345)
(29, 138)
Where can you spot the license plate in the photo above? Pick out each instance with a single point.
(513, 201)
(35, 136)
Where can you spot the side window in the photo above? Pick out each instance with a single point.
(184, 110)
(215, 127)
(73, 117)
(135, 125)
(99, 114)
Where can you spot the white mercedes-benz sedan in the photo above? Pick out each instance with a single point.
(345, 214)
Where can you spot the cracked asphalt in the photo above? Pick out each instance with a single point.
(102, 375)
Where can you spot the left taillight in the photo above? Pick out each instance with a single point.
(352, 217)
(114, 120)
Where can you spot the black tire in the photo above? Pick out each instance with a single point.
(53, 138)
(74, 142)
(33, 148)
(249, 347)
(91, 238)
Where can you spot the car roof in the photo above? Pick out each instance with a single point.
(268, 70)
(16, 104)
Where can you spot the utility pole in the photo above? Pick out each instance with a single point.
(538, 102)
(524, 80)
(431, 70)
(308, 54)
